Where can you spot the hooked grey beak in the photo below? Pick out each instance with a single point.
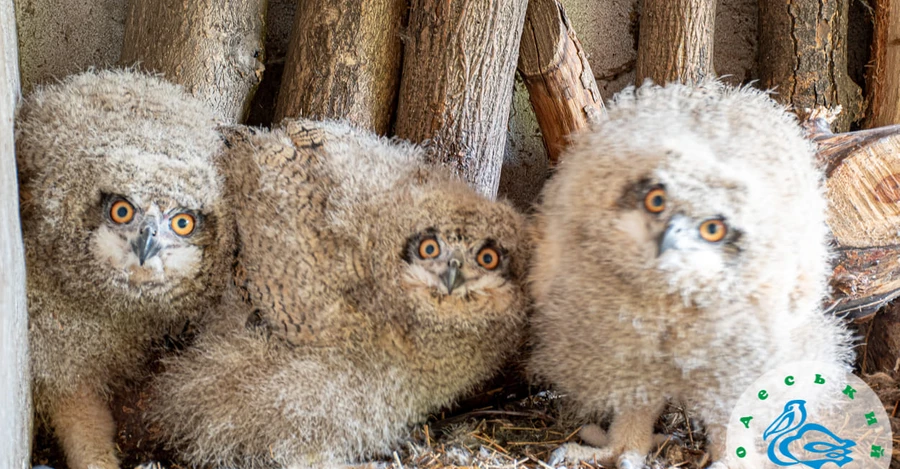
(146, 245)
(669, 238)
(452, 278)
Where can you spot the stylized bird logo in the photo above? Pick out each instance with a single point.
(791, 426)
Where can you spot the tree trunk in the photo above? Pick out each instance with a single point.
(343, 62)
(863, 188)
(803, 52)
(456, 87)
(556, 72)
(884, 70)
(212, 47)
(676, 41)
(15, 396)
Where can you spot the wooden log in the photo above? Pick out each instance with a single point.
(456, 86)
(15, 395)
(880, 347)
(863, 187)
(343, 62)
(556, 72)
(676, 41)
(803, 54)
(883, 77)
(212, 47)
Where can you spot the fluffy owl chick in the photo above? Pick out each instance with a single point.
(424, 300)
(126, 232)
(680, 254)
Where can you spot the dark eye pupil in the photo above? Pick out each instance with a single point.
(712, 228)
(182, 223)
(657, 201)
(487, 258)
(122, 212)
(429, 249)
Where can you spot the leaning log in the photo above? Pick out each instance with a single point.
(212, 47)
(343, 62)
(15, 396)
(883, 77)
(803, 54)
(556, 72)
(676, 41)
(459, 62)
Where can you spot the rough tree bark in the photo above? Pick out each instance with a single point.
(456, 87)
(803, 52)
(676, 40)
(343, 62)
(863, 188)
(883, 77)
(556, 72)
(214, 48)
(15, 396)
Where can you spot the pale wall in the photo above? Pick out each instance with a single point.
(61, 37)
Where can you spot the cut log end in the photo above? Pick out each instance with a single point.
(863, 188)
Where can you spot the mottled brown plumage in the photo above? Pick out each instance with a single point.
(108, 163)
(362, 268)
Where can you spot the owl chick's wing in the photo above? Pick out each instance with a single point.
(289, 265)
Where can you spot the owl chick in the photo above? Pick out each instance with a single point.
(680, 254)
(379, 303)
(126, 233)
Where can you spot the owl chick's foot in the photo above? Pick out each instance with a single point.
(593, 435)
(574, 452)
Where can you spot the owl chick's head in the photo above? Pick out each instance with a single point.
(709, 193)
(120, 187)
(462, 249)
(448, 253)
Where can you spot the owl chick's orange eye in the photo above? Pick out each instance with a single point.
(488, 258)
(429, 248)
(713, 230)
(655, 200)
(183, 224)
(121, 212)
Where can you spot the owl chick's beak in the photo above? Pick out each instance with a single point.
(452, 277)
(671, 236)
(146, 245)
